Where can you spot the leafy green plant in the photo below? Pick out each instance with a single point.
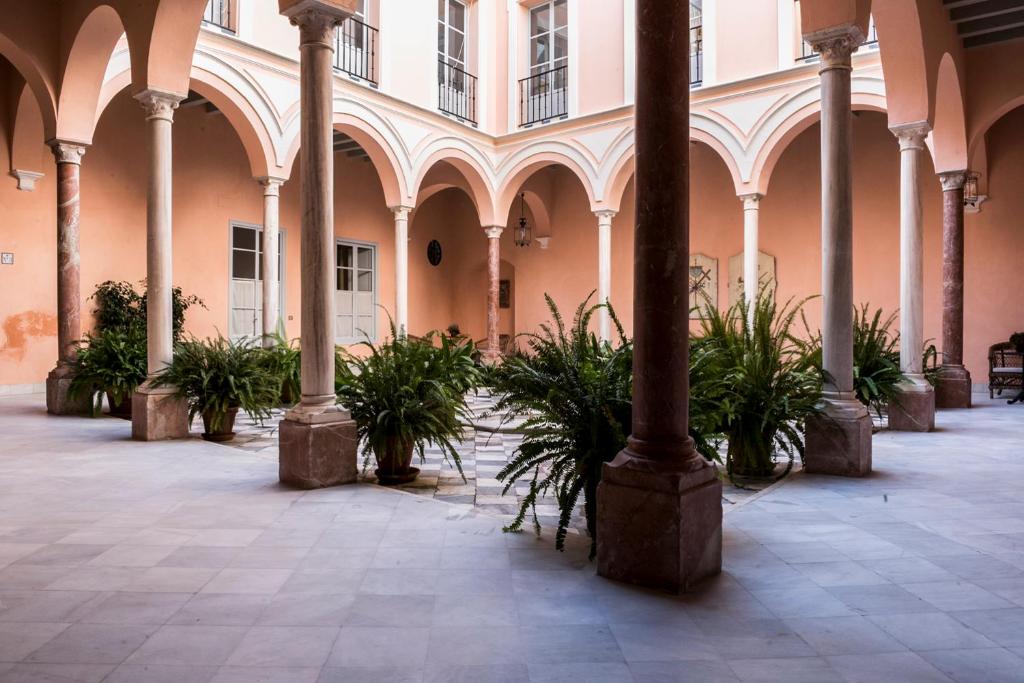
(407, 393)
(283, 359)
(218, 375)
(111, 361)
(119, 305)
(771, 384)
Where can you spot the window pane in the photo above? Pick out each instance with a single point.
(440, 10)
(244, 238)
(561, 45)
(540, 54)
(365, 257)
(364, 326)
(540, 20)
(344, 280)
(343, 326)
(440, 37)
(456, 45)
(344, 256)
(561, 13)
(243, 265)
(457, 15)
(365, 281)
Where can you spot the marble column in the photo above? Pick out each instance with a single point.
(604, 271)
(751, 251)
(271, 255)
(156, 412)
(402, 267)
(913, 408)
(659, 503)
(839, 440)
(68, 156)
(493, 232)
(318, 440)
(954, 385)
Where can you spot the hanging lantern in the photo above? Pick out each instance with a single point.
(971, 190)
(523, 233)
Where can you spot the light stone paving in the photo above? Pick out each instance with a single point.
(186, 561)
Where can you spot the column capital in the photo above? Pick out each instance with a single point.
(953, 180)
(317, 19)
(493, 232)
(159, 104)
(26, 179)
(271, 185)
(911, 135)
(751, 201)
(605, 215)
(401, 211)
(67, 152)
(835, 45)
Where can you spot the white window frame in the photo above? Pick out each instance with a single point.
(445, 22)
(259, 282)
(357, 336)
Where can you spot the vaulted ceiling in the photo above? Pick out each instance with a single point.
(982, 22)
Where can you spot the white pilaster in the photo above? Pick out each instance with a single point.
(402, 267)
(604, 269)
(271, 255)
(751, 279)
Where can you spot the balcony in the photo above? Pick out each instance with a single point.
(456, 92)
(544, 96)
(218, 13)
(355, 50)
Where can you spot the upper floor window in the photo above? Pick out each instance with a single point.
(545, 94)
(696, 42)
(355, 48)
(218, 13)
(355, 295)
(456, 86)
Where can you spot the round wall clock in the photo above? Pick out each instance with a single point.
(434, 252)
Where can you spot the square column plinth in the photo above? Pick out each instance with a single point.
(913, 409)
(658, 529)
(158, 414)
(58, 398)
(838, 440)
(953, 390)
(318, 450)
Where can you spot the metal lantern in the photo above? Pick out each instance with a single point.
(971, 190)
(523, 232)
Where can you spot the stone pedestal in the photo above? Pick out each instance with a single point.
(317, 451)
(953, 390)
(58, 400)
(838, 440)
(158, 414)
(913, 410)
(658, 529)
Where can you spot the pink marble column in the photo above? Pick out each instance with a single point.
(68, 156)
(493, 233)
(659, 504)
(954, 385)
(317, 439)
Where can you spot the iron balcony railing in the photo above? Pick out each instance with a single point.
(808, 54)
(218, 13)
(544, 96)
(355, 50)
(456, 91)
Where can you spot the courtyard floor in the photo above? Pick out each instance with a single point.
(186, 561)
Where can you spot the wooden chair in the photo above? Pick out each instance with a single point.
(1005, 369)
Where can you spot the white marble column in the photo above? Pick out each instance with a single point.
(838, 442)
(493, 233)
(751, 278)
(156, 413)
(271, 256)
(914, 407)
(604, 270)
(402, 267)
(317, 440)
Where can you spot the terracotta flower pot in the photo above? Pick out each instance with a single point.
(225, 431)
(123, 409)
(394, 466)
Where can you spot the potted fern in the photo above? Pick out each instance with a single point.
(284, 360)
(407, 393)
(217, 378)
(110, 363)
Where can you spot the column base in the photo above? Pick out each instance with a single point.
(158, 414)
(658, 528)
(317, 449)
(953, 390)
(58, 396)
(913, 409)
(838, 440)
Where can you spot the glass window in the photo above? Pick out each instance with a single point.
(549, 36)
(246, 319)
(355, 296)
(451, 33)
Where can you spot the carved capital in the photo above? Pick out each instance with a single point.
(544, 242)
(493, 232)
(401, 212)
(26, 179)
(67, 152)
(605, 216)
(953, 180)
(751, 201)
(271, 186)
(835, 45)
(317, 19)
(159, 105)
(911, 135)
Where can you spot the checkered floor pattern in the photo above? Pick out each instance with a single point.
(483, 454)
